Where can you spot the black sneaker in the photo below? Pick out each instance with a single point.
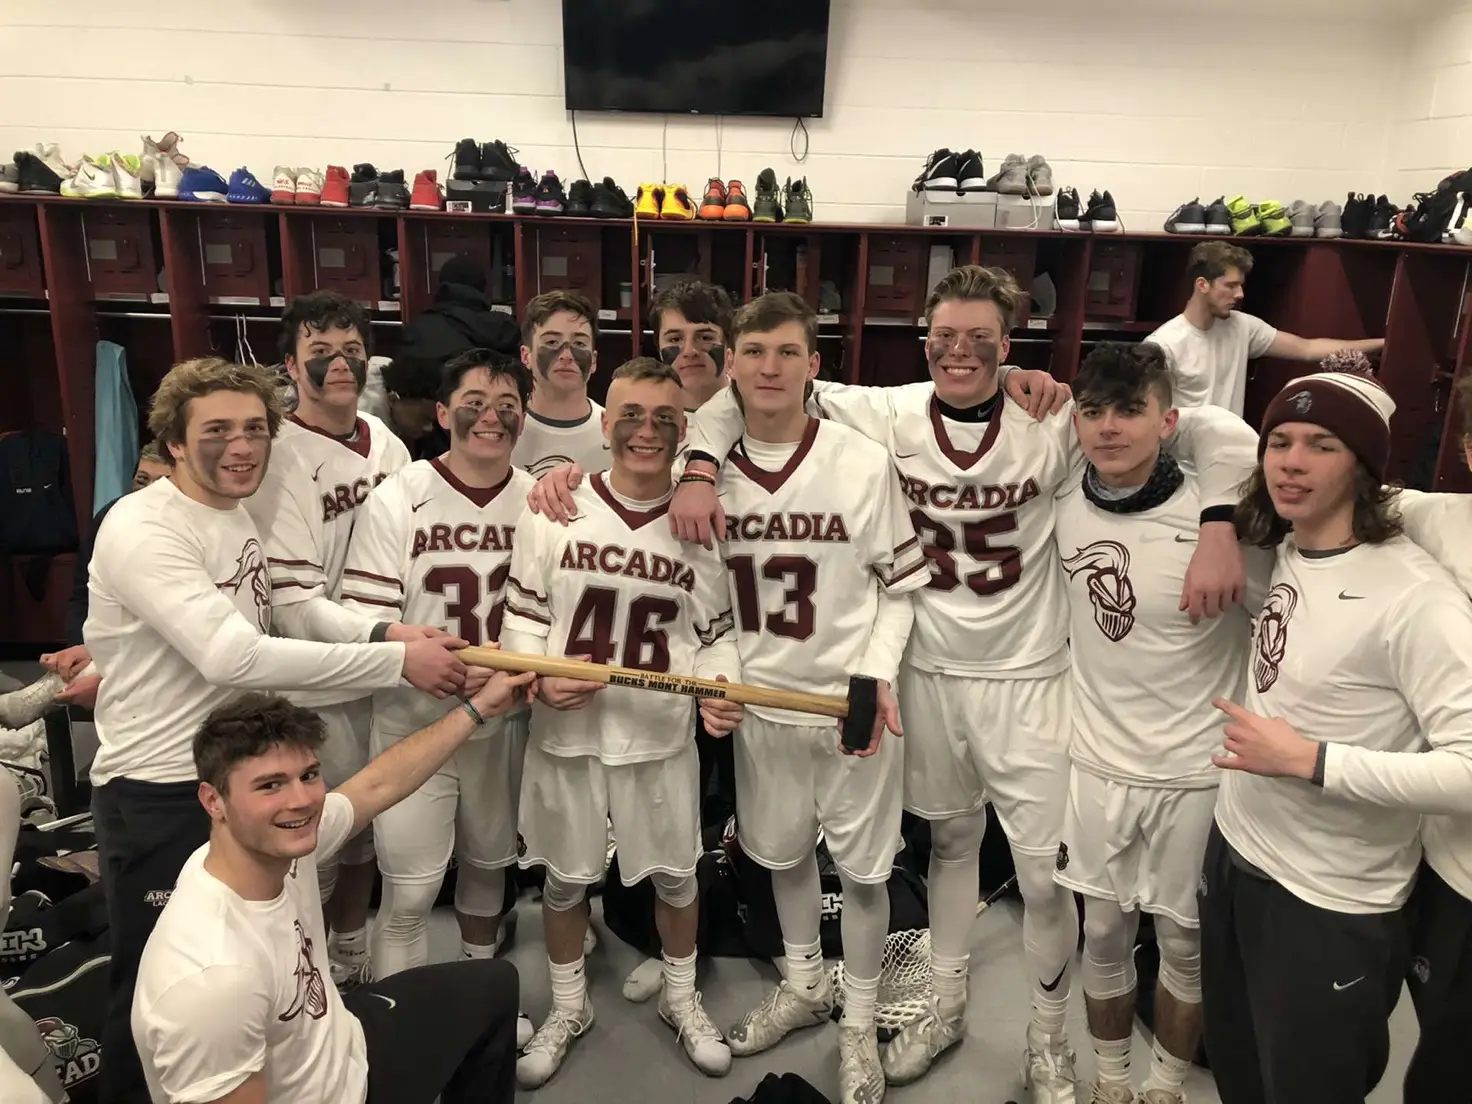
(766, 207)
(609, 200)
(497, 162)
(524, 192)
(1356, 218)
(1065, 210)
(551, 199)
(34, 175)
(467, 160)
(799, 202)
(971, 174)
(940, 172)
(1101, 216)
(1188, 218)
(363, 186)
(1218, 216)
(391, 194)
(1382, 215)
(579, 199)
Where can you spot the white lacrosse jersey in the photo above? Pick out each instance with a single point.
(1143, 675)
(812, 535)
(545, 444)
(310, 496)
(178, 613)
(616, 586)
(1370, 652)
(429, 550)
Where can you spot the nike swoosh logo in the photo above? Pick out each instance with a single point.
(1048, 988)
(906, 455)
(1345, 596)
(1340, 988)
(387, 1000)
(1184, 540)
(415, 507)
(607, 447)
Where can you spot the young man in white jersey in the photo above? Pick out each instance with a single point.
(432, 545)
(1357, 722)
(559, 334)
(985, 683)
(177, 624)
(1209, 343)
(232, 1006)
(1142, 788)
(690, 321)
(615, 587)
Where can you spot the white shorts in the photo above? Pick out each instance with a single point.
(1139, 845)
(792, 780)
(467, 808)
(344, 750)
(567, 802)
(971, 740)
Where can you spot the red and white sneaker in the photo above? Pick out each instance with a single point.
(308, 187)
(283, 185)
(335, 187)
(426, 196)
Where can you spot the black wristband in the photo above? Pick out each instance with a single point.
(1319, 761)
(696, 454)
(1218, 513)
(380, 632)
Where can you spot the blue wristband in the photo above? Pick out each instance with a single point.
(473, 712)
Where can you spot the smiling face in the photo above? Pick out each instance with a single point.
(227, 443)
(561, 356)
(966, 342)
(330, 366)
(1122, 440)
(771, 369)
(484, 417)
(644, 423)
(271, 804)
(1309, 472)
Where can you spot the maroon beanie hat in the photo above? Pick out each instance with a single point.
(1343, 398)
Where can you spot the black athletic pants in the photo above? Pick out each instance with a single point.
(1441, 988)
(446, 1031)
(1296, 998)
(717, 760)
(145, 832)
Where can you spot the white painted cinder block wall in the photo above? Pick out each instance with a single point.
(1433, 136)
(1156, 100)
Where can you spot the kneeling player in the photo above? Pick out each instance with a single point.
(1142, 787)
(616, 587)
(432, 545)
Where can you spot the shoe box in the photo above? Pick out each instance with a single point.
(969, 210)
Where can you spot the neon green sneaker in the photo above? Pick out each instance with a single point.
(1245, 222)
(1276, 222)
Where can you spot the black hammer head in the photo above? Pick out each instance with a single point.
(863, 704)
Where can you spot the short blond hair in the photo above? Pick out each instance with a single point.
(647, 368)
(152, 453)
(978, 284)
(168, 417)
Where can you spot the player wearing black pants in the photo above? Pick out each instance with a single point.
(444, 1032)
(1441, 988)
(1296, 997)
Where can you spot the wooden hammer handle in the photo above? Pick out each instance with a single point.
(689, 685)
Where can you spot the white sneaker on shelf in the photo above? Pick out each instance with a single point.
(911, 1053)
(164, 165)
(20, 708)
(309, 187)
(127, 173)
(50, 153)
(702, 1040)
(94, 179)
(283, 185)
(784, 1011)
(860, 1075)
(1048, 1069)
(543, 1055)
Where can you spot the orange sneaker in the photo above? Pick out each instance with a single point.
(737, 209)
(426, 195)
(714, 204)
(677, 206)
(335, 187)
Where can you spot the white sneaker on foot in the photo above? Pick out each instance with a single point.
(1048, 1069)
(644, 981)
(702, 1040)
(1162, 1096)
(590, 941)
(349, 971)
(524, 1030)
(543, 1055)
(784, 1011)
(29, 704)
(911, 1053)
(860, 1075)
(1107, 1093)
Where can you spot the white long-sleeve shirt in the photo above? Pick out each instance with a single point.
(178, 623)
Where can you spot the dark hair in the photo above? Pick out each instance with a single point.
(496, 364)
(414, 377)
(976, 283)
(547, 304)
(323, 310)
(1212, 260)
(776, 308)
(1119, 374)
(248, 727)
(698, 301)
(1376, 510)
(647, 368)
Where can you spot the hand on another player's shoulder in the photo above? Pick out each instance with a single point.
(1216, 579)
(1037, 392)
(695, 512)
(551, 496)
(721, 717)
(432, 666)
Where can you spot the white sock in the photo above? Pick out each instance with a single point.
(569, 986)
(804, 966)
(679, 980)
(477, 950)
(1112, 1059)
(949, 977)
(860, 995)
(348, 944)
(1167, 1072)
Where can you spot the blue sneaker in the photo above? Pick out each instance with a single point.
(202, 185)
(245, 188)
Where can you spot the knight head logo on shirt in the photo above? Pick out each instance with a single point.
(78, 1058)
(1302, 402)
(311, 993)
(1272, 636)
(252, 581)
(1107, 564)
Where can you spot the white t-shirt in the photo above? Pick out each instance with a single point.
(1209, 367)
(545, 444)
(177, 621)
(229, 987)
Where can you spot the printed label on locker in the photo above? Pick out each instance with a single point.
(827, 319)
(457, 207)
(607, 316)
(1037, 323)
(236, 300)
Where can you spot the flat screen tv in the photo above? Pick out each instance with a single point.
(670, 57)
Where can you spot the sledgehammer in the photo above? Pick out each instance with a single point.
(857, 711)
